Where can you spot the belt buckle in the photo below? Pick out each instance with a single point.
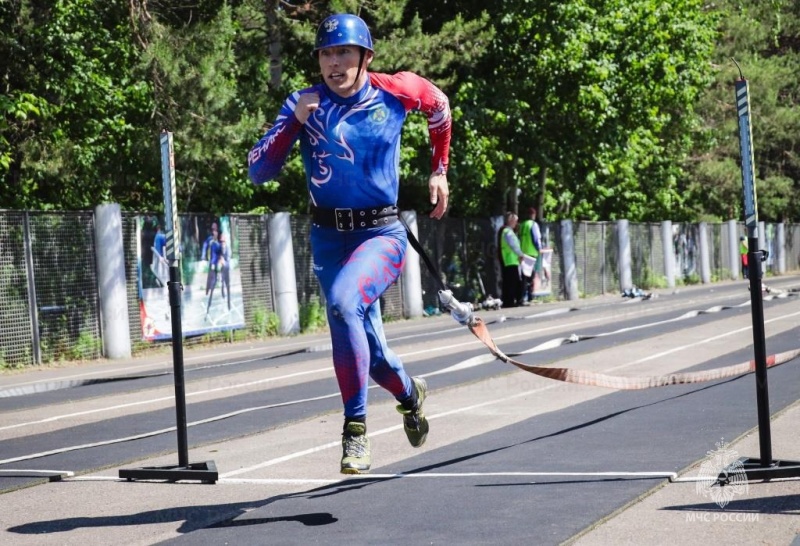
(344, 219)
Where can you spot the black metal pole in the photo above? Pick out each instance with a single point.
(764, 468)
(206, 471)
(177, 363)
(760, 350)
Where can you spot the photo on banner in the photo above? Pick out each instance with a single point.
(211, 295)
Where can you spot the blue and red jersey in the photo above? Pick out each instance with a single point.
(351, 146)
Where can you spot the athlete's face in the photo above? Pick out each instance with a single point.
(339, 67)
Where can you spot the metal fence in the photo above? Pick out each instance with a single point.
(254, 264)
(48, 288)
(595, 258)
(50, 301)
(464, 251)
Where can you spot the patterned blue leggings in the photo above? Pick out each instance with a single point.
(354, 269)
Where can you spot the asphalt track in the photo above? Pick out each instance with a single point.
(511, 458)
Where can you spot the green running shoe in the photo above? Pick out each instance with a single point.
(414, 422)
(355, 449)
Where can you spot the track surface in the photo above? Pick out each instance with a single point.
(511, 458)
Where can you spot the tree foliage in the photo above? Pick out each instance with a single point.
(76, 107)
(599, 98)
(762, 36)
(590, 109)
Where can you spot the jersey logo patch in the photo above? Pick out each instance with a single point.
(379, 115)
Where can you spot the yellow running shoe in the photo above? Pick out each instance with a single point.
(414, 422)
(355, 449)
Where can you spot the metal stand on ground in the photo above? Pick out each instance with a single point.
(765, 467)
(184, 470)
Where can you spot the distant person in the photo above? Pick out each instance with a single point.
(743, 253)
(510, 257)
(530, 241)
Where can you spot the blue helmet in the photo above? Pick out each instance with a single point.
(342, 29)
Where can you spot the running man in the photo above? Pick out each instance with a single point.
(349, 131)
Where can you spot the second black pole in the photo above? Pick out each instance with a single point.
(175, 297)
(754, 259)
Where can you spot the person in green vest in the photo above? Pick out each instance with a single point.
(743, 254)
(510, 255)
(530, 241)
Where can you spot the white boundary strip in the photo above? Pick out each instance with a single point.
(36, 472)
(671, 476)
(437, 475)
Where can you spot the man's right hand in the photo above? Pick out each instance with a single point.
(307, 103)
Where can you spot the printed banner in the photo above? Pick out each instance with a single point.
(211, 299)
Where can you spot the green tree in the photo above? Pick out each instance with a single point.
(73, 111)
(762, 37)
(595, 99)
(195, 76)
(591, 109)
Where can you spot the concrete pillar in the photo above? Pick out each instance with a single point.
(669, 252)
(780, 248)
(568, 261)
(110, 255)
(284, 281)
(624, 255)
(412, 275)
(735, 261)
(705, 254)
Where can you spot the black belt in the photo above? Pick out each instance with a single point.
(349, 219)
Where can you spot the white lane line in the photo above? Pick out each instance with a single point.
(165, 430)
(165, 398)
(292, 345)
(330, 445)
(306, 452)
(671, 476)
(300, 344)
(464, 364)
(165, 363)
(287, 376)
(538, 330)
(698, 343)
(379, 432)
(514, 474)
(35, 472)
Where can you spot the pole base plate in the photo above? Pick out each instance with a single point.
(754, 470)
(205, 472)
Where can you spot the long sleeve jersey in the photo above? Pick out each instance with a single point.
(351, 146)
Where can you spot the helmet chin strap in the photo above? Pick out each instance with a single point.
(360, 64)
